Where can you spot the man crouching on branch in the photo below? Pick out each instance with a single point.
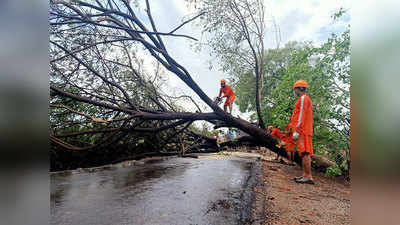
(302, 125)
(228, 93)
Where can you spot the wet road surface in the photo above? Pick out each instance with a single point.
(173, 191)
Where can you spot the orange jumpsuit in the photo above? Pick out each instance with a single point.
(289, 145)
(228, 92)
(287, 138)
(276, 133)
(302, 122)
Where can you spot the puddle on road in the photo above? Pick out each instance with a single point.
(173, 191)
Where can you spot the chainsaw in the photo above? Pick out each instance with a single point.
(217, 100)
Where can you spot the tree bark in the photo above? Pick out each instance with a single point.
(259, 87)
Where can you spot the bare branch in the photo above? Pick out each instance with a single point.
(188, 21)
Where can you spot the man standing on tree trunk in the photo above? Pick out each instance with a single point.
(228, 93)
(302, 124)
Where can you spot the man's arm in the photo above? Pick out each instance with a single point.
(301, 113)
(300, 119)
(220, 92)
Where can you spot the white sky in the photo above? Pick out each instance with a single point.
(298, 20)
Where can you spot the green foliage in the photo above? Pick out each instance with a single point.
(245, 86)
(339, 14)
(327, 70)
(277, 62)
(333, 171)
(204, 128)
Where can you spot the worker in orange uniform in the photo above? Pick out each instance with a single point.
(285, 138)
(275, 132)
(228, 93)
(301, 123)
(289, 144)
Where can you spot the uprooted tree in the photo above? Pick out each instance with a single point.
(102, 95)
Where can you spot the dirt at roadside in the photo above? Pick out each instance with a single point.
(286, 202)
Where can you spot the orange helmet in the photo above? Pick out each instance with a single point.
(270, 127)
(300, 83)
(223, 81)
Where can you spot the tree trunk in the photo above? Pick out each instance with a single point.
(259, 70)
(259, 87)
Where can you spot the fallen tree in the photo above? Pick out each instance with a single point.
(319, 163)
(105, 98)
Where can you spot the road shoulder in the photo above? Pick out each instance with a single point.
(286, 202)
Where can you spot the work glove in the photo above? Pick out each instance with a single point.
(295, 136)
(280, 144)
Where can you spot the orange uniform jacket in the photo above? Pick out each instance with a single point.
(227, 90)
(276, 133)
(302, 117)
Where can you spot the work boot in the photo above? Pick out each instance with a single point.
(297, 178)
(305, 180)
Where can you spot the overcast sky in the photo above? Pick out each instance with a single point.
(298, 20)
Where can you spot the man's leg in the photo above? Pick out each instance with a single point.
(290, 149)
(231, 99)
(291, 157)
(306, 163)
(301, 150)
(225, 106)
(303, 170)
